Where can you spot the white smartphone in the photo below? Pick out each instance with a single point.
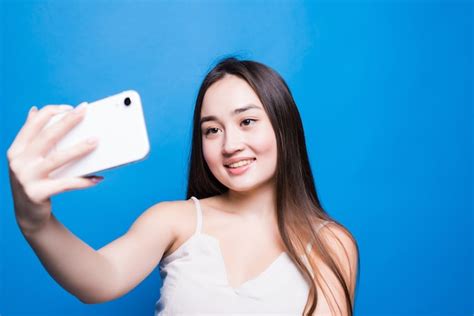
(119, 125)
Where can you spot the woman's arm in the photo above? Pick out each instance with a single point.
(77, 267)
(106, 274)
(92, 276)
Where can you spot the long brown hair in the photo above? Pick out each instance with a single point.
(298, 208)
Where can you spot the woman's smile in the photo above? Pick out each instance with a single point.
(240, 167)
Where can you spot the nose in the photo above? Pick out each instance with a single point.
(232, 142)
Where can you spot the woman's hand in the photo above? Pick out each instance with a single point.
(31, 162)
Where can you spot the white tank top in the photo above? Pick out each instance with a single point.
(195, 282)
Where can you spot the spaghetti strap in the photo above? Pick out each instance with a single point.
(199, 215)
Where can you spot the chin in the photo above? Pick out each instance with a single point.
(244, 186)
(239, 187)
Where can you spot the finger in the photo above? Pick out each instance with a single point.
(69, 184)
(34, 123)
(59, 158)
(42, 117)
(46, 189)
(33, 110)
(51, 135)
(11, 150)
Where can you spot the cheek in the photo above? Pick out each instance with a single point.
(265, 142)
(210, 153)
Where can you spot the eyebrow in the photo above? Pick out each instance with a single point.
(235, 112)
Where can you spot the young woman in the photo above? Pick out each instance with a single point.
(251, 237)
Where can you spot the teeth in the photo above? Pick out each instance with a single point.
(240, 163)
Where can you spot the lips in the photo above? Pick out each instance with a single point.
(235, 160)
(237, 171)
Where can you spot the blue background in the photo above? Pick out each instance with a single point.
(385, 92)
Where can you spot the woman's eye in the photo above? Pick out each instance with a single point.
(248, 120)
(214, 130)
(209, 130)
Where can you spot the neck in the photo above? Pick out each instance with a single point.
(255, 205)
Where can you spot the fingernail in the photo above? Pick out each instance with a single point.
(33, 109)
(97, 179)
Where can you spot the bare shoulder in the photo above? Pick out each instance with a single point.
(170, 213)
(344, 247)
(164, 218)
(336, 232)
(179, 216)
(170, 210)
(166, 212)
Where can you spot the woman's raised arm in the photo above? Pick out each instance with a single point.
(92, 276)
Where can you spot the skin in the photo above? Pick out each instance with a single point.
(251, 195)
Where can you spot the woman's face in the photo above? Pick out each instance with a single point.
(235, 127)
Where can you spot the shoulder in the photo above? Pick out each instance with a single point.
(169, 212)
(171, 207)
(339, 236)
(165, 216)
(344, 249)
(179, 217)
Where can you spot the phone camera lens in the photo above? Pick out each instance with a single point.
(127, 101)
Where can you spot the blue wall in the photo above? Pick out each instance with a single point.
(384, 89)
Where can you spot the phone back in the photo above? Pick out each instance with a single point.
(119, 125)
